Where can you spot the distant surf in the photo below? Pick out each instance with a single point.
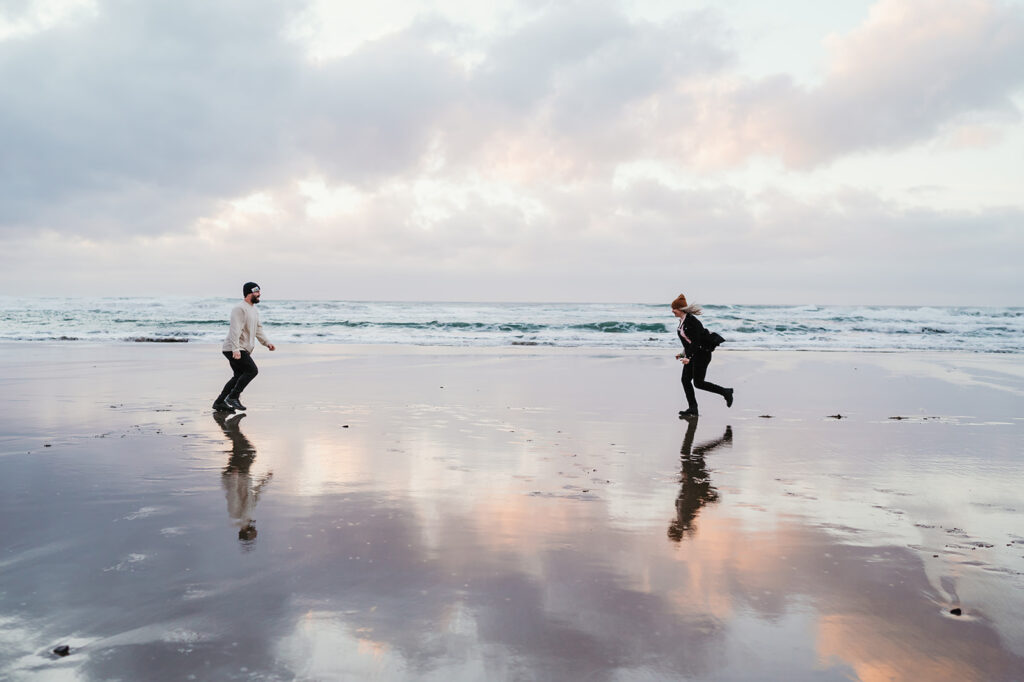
(586, 325)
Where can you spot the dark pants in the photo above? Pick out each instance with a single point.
(693, 375)
(245, 371)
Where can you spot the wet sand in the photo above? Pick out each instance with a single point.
(429, 513)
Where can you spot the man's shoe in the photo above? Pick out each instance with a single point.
(683, 414)
(234, 403)
(221, 406)
(728, 397)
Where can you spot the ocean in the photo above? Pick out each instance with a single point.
(573, 325)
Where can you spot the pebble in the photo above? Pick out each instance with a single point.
(62, 650)
(956, 612)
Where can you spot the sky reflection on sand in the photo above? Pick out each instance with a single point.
(447, 536)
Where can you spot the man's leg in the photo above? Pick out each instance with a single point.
(245, 371)
(219, 403)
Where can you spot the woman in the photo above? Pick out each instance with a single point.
(696, 355)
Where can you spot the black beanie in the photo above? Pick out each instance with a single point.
(248, 287)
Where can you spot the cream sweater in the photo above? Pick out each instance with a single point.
(245, 326)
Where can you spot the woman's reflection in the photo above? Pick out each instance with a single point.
(241, 493)
(695, 489)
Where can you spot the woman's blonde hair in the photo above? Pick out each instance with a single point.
(680, 304)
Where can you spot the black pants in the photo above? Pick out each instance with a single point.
(693, 375)
(244, 369)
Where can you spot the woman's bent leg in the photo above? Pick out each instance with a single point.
(700, 363)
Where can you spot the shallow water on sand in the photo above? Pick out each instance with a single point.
(507, 516)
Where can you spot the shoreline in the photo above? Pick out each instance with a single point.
(499, 347)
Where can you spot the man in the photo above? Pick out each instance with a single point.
(238, 347)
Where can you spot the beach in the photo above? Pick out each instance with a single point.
(422, 513)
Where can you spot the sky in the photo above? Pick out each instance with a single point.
(624, 151)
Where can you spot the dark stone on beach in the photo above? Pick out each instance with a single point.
(899, 417)
(956, 611)
(47, 445)
(62, 650)
(344, 426)
(835, 416)
(766, 416)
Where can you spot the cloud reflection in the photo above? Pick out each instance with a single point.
(465, 579)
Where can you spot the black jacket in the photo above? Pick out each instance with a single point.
(697, 334)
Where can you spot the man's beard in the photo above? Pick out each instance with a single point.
(255, 300)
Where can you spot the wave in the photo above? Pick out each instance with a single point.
(806, 327)
(614, 327)
(606, 327)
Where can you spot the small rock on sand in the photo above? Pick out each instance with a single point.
(62, 650)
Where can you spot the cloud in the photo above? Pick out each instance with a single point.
(910, 70)
(20, 18)
(139, 116)
(417, 240)
(580, 90)
(180, 100)
(372, 115)
(434, 149)
(167, 108)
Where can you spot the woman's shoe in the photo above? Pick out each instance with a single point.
(728, 397)
(683, 414)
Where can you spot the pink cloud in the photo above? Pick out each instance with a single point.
(912, 69)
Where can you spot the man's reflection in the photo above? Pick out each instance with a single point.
(695, 489)
(241, 493)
